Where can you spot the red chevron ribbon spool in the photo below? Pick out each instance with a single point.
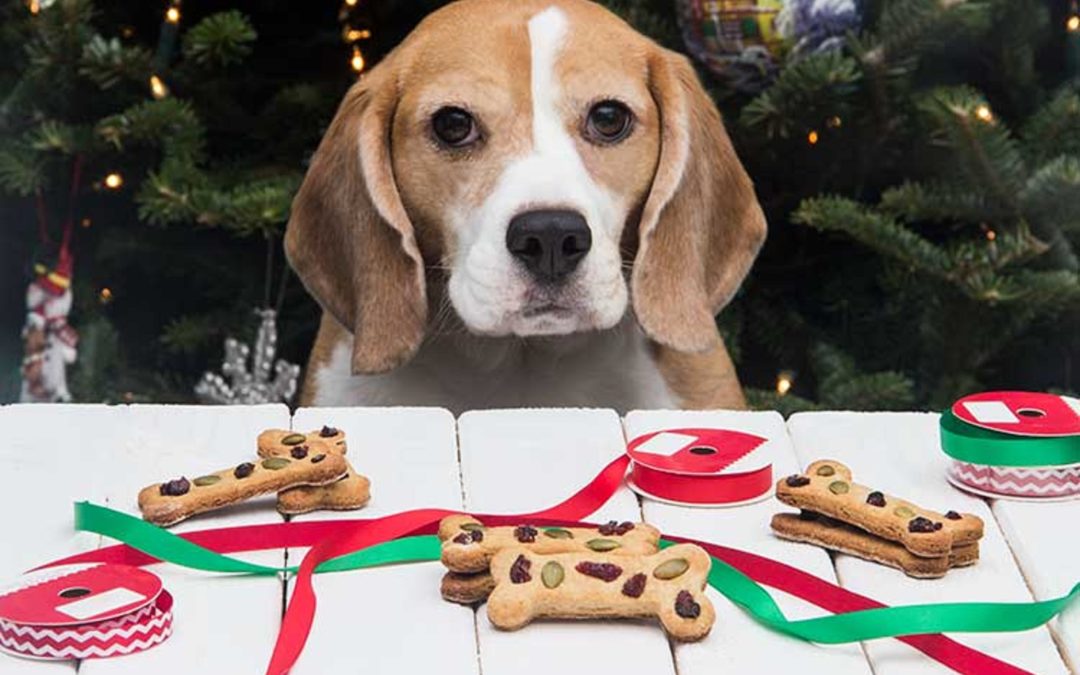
(83, 612)
(700, 467)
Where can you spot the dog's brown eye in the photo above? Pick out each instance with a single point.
(608, 122)
(454, 127)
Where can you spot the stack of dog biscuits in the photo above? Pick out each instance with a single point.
(308, 471)
(613, 571)
(350, 492)
(843, 516)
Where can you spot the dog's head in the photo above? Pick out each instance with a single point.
(536, 155)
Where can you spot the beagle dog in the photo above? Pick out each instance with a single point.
(526, 203)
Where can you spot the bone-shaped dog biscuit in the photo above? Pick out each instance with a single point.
(351, 492)
(668, 585)
(837, 536)
(826, 488)
(169, 503)
(468, 546)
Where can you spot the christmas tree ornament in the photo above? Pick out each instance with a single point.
(49, 343)
(814, 26)
(737, 40)
(267, 381)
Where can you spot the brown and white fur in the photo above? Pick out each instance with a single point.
(403, 239)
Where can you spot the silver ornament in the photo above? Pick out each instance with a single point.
(267, 381)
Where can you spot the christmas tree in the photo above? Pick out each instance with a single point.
(918, 161)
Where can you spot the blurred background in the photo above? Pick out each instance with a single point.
(918, 161)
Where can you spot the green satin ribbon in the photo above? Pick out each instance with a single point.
(968, 617)
(969, 443)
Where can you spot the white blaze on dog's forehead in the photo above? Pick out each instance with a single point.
(547, 31)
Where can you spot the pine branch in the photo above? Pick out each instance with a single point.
(807, 91)
(108, 63)
(170, 122)
(22, 169)
(1055, 128)
(1052, 195)
(879, 232)
(937, 202)
(220, 39)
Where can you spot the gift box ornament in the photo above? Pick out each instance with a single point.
(700, 467)
(84, 611)
(1013, 444)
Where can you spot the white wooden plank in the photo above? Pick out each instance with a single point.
(222, 624)
(50, 458)
(738, 643)
(516, 461)
(392, 619)
(900, 453)
(1041, 539)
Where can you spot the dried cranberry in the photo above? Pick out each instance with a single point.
(317, 458)
(175, 488)
(519, 571)
(875, 498)
(623, 528)
(327, 432)
(920, 524)
(462, 538)
(953, 515)
(797, 481)
(525, 534)
(686, 606)
(477, 535)
(299, 451)
(604, 571)
(608, 528)
(635, 586)
(244, 470)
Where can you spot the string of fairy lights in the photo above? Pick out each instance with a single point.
(352, 34)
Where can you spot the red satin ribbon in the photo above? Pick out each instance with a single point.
(691, 489)
(329, 539)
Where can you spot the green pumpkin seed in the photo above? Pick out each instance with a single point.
(472, 527)
(558, 533)
(275, 463)
(839, 487)
(903, 512)
(552, 575)
(601, 545)
(204, 481)
(671, 569)
(826, 470)
(294, 439)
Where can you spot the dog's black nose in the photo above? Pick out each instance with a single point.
(550, 243)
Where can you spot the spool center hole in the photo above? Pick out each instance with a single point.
(74, 592)
(702, 450)
(1031, 412)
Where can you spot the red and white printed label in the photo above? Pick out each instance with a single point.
(1021, 413)
(84, 611)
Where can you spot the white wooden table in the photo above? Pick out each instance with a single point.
(392, 620)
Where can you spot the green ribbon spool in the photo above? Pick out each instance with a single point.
(968, 443)
(963, 617)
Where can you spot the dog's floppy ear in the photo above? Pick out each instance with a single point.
(701, 225)
(349, 238)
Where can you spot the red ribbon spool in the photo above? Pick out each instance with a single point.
(700, 467)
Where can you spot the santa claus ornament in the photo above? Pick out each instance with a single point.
(49, 343)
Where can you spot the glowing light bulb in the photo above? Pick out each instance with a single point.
(991, 235)
(34, 6)
(105, 296)
(834, 122)
(114, 181)
(158, 88)
(172, 15)
(784, 382)
(354, 34)
(812, 137)
(1072, 24)
(86, 222)
(351, 3)
(357, 61)
(984, 114)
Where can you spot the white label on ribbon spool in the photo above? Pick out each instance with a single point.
(991, 412)
(666, 443)
(102, 603)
